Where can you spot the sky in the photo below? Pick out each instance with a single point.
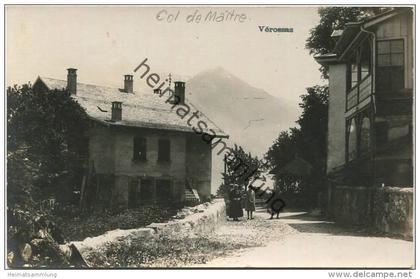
(106, 42)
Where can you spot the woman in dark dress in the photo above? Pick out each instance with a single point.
(235, 207)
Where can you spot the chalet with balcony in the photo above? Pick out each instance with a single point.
(371, 102)
(370, 125)
(140, 151)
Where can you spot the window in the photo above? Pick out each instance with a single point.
(365, 60)
(390, 72)
(164, 151)
(360, 64)
(351, 140)
(163, 189)
(147, 191)
(354, 78)
(365, 135)
(358, 133)
(139, 149)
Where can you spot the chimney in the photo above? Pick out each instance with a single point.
(116, 114)
(128, 83)
(72, 81)
(180, 91)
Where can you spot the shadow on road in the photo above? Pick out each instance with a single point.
(305, 222)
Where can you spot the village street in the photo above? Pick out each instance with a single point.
(307, 241)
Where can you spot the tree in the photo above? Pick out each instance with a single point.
(335, 18)
(308, 142)
(46, 132)
(313, 137)
(241, 169)
(46, 135)
(313, 124)
(283, 149)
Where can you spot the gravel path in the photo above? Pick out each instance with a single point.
(180, 251)
(294, 240)
(255, 232)
(299, 240)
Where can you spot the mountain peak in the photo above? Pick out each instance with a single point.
(216, 70)
(218, 73)
(220, 69)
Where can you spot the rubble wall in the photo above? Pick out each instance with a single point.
(386, 209)
(393, 210)
(351, 205)
(192, 221)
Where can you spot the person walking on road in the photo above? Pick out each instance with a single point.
(275, 204)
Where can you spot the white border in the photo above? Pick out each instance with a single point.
(202, 274)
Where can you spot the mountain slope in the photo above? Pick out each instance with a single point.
(252, 117)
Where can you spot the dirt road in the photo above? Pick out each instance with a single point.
(312, 242)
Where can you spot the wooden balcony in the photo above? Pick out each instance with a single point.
(359, 93)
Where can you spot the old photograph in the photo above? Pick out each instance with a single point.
(209, 137)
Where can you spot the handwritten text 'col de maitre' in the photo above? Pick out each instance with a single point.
(200, 16)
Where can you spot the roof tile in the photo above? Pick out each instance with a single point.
(139, 109)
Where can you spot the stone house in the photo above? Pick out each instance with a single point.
(140, 150)
(370, 147)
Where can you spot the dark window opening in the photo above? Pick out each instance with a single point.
(146, 190)
(365, 142)
(351, 139)
(163, 189)
(139, 149)
(390, 71)
(164, 151)
(358, 136)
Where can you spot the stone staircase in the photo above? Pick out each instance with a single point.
(191, 194)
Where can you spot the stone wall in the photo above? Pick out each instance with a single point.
(393, 210)
(387, 209)
(351, 205)
(198, 220)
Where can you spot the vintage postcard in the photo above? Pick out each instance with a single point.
(210, 136)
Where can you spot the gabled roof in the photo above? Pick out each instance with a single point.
(139, 109)
(347, 35)
(353, 32)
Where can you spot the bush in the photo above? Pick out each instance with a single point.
(33, 240)
(78, 227)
